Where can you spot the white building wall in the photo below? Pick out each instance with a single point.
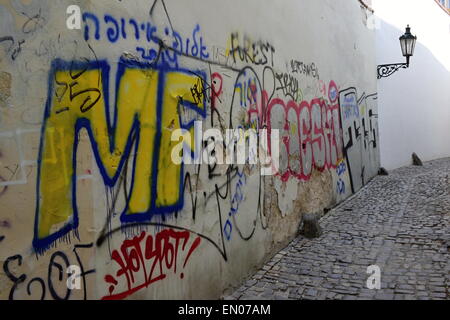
(414, 103)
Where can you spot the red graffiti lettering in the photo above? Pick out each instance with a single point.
(310, 134)
(151, 261)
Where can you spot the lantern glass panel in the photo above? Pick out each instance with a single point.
(403, 46)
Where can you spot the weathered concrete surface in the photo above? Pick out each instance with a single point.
(399, 222)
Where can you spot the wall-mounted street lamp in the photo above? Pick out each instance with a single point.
(407, 43)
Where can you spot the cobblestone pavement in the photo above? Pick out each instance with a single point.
(399, 222)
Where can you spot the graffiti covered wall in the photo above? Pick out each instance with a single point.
(92, 205)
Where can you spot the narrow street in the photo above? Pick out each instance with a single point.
(399, 222)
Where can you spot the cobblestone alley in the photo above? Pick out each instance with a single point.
(400, 222)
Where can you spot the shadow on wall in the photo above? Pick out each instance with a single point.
(413, 103)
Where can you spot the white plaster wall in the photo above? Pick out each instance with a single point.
(414, 103)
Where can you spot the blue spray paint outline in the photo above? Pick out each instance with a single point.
(72, 223)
